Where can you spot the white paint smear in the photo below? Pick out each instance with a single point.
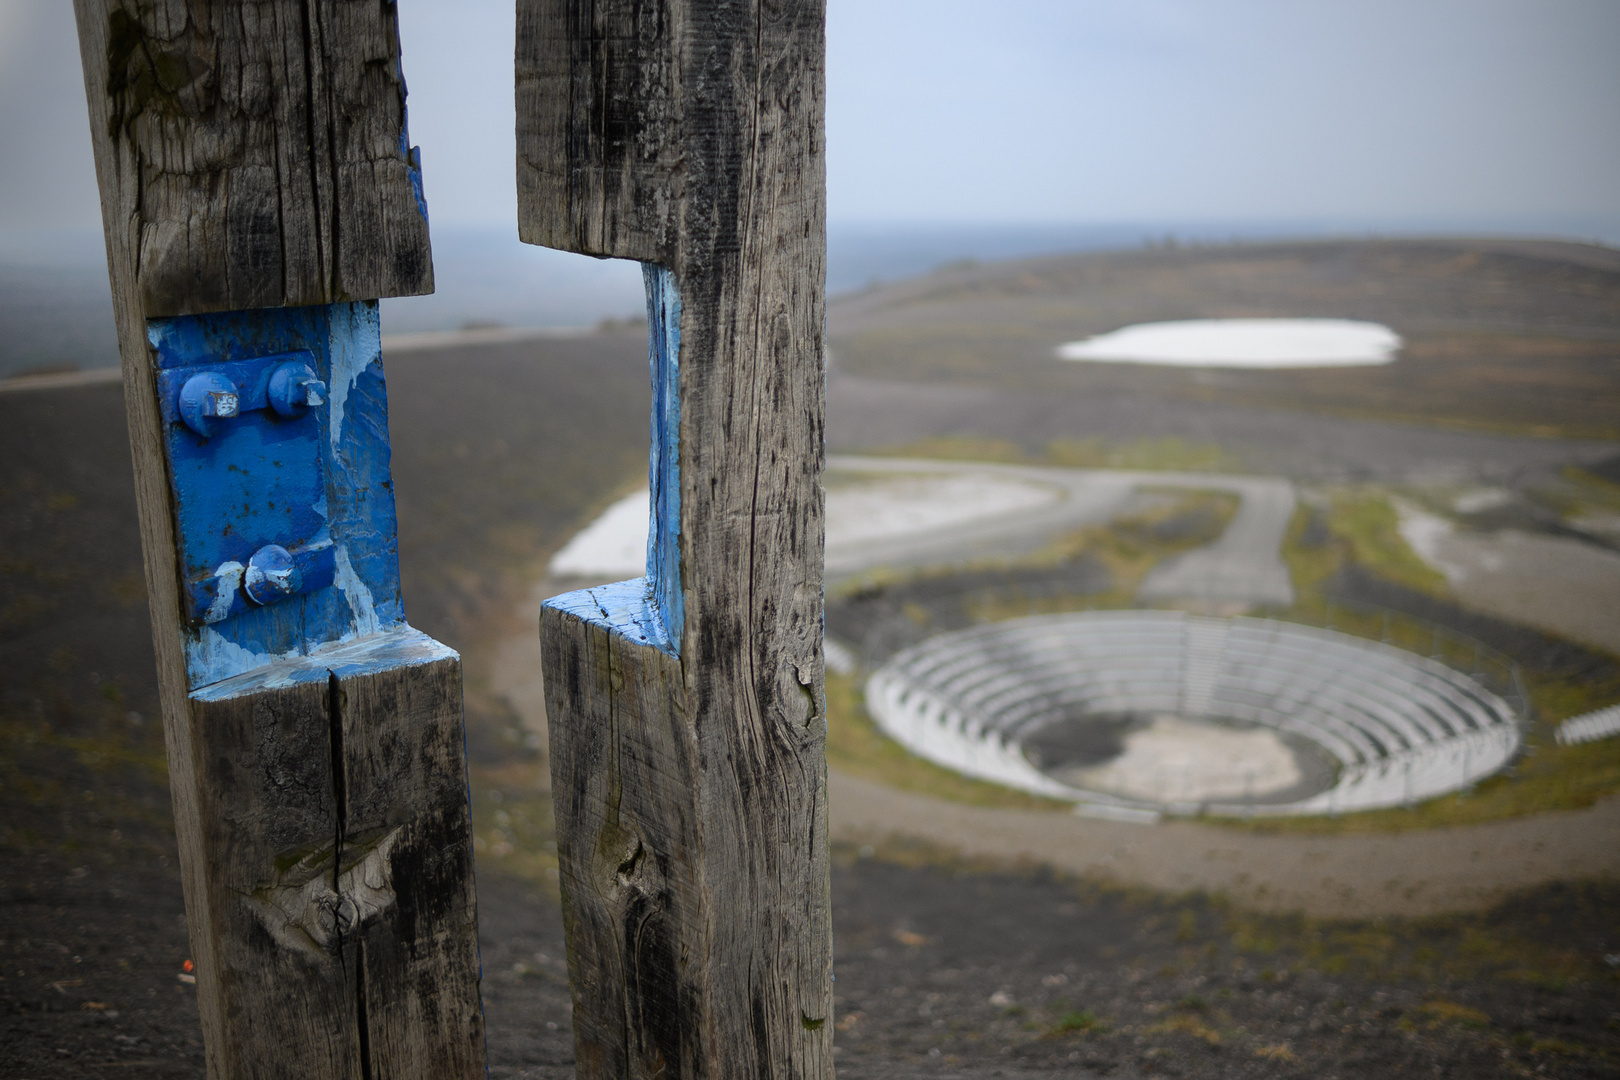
(615, 544)
(1246, 343)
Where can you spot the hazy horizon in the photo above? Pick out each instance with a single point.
(1098, 112)
(1055, 126)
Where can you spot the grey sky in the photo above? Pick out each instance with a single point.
(1040, 110)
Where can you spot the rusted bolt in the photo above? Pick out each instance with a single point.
(271, 575)
(205, 397)
(294, 388)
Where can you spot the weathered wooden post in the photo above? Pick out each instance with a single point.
(686, 708)
(259, 194)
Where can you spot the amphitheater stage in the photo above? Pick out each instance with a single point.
(1162, 756)
(1225, 716)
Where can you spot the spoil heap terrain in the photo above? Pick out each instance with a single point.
(946, 967)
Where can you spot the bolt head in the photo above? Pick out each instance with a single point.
(271, 575)
(205, 397)
(294, 388)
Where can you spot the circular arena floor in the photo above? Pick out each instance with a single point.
(1158, 711)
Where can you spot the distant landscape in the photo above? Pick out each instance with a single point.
(1472, 484)
(56, 315)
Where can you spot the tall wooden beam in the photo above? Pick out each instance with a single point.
(259, 195)
(686, 708)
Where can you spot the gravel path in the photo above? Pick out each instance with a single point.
(1419, 872)
(1242, 566)
(1362, 876)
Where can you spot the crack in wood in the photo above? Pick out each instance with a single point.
(310, 905)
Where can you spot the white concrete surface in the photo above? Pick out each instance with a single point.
(1590, 727)
(887, 507)
(1176, 760)
(614, 545)
(882, 512)
(1555, 583)
(1402, 728)
(1242, 343)
(906, 513)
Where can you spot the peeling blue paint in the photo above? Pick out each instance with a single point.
(411, 154)
(403, 646)
(622, 608)
(317, 484)
(651, 609)
(664, 459)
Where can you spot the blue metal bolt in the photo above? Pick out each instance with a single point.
(271, 575)
(208, 396)
(294, 388)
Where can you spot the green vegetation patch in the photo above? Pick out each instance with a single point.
(1367, 520)
(1360, 527)
(1129, 546)
(514, 826)
(1546, 779)
(855, 746)
(1077, 1022)
(1511, 943)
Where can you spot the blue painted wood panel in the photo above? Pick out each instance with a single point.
(651, 609)
(317, 484)
(664, 459)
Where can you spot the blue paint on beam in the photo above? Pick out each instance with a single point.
(621, 608)
(651, 609)
(664, 460)
(317, 484)
(401, 647)
(411, 154)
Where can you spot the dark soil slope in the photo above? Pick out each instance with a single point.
(1510, 336)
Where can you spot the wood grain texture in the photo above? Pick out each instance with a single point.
(688, 133)
(255, 153)
(320, 803)
(405, 787)
(630, 854)
(336, 911)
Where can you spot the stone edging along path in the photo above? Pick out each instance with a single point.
(1362, 876)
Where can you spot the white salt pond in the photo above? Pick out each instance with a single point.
(1242, 343)
(877, 509)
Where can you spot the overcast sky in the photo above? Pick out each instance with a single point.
(1372, 111)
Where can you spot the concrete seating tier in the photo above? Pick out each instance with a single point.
(1401, 727)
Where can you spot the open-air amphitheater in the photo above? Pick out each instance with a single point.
(1134, 713)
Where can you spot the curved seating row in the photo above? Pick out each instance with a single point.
(1589, 727)
(1401, 727)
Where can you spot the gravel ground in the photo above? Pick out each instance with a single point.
(942, 971)
(949, 973)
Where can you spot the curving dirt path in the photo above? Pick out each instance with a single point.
(1364, 876)
(1243, 565)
